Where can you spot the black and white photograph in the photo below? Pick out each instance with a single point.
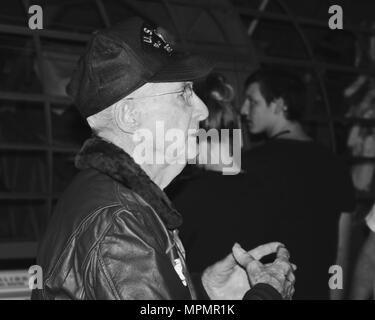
(203, 152)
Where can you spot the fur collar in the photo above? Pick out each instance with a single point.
(116, 163)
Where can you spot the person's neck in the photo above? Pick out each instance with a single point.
(288, 130)
(160, 174)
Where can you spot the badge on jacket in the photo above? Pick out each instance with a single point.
(179, 270)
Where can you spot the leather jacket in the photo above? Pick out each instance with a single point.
(112, 235)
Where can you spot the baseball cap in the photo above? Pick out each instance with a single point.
(121, 59)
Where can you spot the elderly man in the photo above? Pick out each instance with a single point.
(113, 234)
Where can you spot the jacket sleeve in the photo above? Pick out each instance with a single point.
(262, 291)
(129, 264)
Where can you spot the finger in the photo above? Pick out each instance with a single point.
(291, 277)
(268, 264)
(290, 291)
(283, 270)
(265, 249)
(242, 257)
(228, 262)
(282, 254)
(287, 288)
(281, 267)
(294, 267)
(253, 268)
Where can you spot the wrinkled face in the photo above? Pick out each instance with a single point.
(172, 114)
(259, 115)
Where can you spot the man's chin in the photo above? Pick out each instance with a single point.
(254, 130)
(250, 128)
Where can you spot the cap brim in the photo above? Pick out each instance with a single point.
(183, 67)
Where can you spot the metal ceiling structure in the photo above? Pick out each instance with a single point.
(223, 29)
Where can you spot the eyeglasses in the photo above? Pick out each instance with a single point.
(187, 91)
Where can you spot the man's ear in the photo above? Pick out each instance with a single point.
(279, 106)
(126, 116)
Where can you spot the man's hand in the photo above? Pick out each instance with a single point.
(228, 279)
(278, 274)
(225, 280)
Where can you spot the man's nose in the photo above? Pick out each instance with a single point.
(200, 109)
(245, 109)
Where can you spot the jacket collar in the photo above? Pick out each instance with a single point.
(116, 163)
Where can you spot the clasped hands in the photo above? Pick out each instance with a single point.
(232, 277)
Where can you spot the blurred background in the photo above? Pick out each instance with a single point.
(41, 131)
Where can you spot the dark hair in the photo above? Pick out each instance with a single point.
(218, 96)
(277, 83)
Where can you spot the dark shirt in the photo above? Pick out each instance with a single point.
(292, 192)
